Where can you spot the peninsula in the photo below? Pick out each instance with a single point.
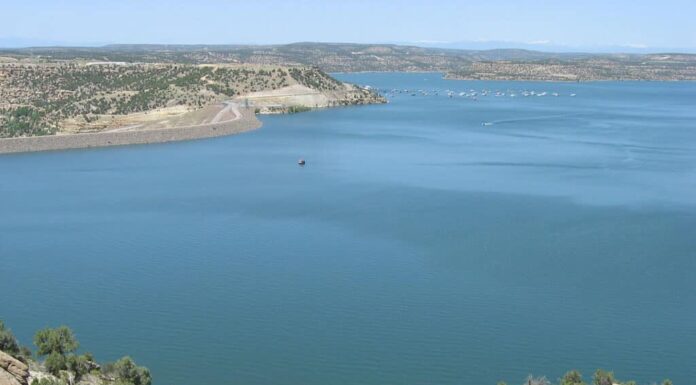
(61, 104)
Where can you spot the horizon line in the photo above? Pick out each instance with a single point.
(449, 46)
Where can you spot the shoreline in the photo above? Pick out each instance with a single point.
(247, 121)
(445, 76)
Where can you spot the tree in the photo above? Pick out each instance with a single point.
(603, 377)
(56, 344)
(60, 340)
(667, 382)
(573, 377)
(8, 342)
(10, 345)
(127, 372)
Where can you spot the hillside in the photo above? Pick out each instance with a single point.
(505, 64)
(645, 67)
(44, 98)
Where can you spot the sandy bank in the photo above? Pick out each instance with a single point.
(245, 121)
(283, 99)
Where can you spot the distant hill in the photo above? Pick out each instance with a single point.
(508, 64)
(549, 46)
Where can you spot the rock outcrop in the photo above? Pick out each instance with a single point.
(12, 371)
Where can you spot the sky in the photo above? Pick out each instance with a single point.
(547, 25)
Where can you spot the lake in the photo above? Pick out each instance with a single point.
(431, 240)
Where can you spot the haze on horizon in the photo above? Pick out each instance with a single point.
(594, 25)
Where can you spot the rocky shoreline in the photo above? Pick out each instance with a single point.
(247, 122)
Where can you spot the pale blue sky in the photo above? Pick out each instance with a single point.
(584, 24)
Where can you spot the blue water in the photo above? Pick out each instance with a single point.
(418, 246)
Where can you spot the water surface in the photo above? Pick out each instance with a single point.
(418, 246)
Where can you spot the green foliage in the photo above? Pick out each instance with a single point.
(60, 340)
(58, 345)
(46, 95)
(8, 342)
(127, 372)
(296, 109)
(79, 365)
(24, 354)
(47, 381)
(10, 345)
(55, 362)
(572, 377)
(603, 377)
(315, 79)
(22, 121)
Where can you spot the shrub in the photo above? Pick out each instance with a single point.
(573, 377)
(79, 365)
(603, 377)
(297, 109)
(128, 373)
(47, 381)
(55, 362)
(10, 345)
(8, 342)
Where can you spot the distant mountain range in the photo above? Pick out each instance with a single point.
(549, 46)
(499, 64)
(472, 45)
